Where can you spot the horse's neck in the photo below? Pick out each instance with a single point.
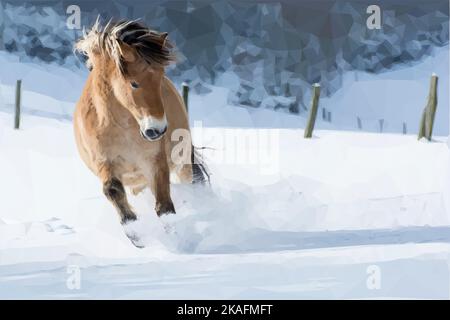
(109, 110)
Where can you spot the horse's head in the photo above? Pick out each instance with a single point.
(137, 86)
(131, 58)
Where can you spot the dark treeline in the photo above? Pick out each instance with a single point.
(273, 48)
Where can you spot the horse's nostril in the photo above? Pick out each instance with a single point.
(152, 133)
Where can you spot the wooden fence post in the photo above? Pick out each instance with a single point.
(185, 87)
(313, 112)
(18, 98)
(427, 120)
(358, 120)
(381, 122)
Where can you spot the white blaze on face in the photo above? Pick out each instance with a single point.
(153, 128)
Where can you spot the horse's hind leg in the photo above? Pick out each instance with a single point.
(183, 173)
(115, 192)
(193, 171)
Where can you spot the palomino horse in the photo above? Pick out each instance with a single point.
(127, 113)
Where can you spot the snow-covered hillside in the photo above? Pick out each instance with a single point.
(284, 217)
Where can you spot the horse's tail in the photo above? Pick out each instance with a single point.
(200, 172)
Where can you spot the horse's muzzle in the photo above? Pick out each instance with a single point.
(153, 134)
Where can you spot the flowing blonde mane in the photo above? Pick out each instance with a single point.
(150, 45)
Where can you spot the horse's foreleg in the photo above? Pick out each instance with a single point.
(115, 192)
(160, 186)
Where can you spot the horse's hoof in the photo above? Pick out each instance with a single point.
(128, 218)
(137, 243)
(163, 209)
(163, 213)
(131, 233)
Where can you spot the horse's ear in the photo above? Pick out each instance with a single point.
(163, 38)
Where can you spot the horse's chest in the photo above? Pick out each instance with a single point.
(131, 155)
(129, 147)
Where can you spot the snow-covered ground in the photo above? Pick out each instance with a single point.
(346, 214)
(308, 219)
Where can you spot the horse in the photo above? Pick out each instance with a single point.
(128, 113)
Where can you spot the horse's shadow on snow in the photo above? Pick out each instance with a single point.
(269, 241)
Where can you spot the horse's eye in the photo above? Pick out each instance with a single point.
(134, 85)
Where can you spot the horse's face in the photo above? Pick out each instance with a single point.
(138, 88)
